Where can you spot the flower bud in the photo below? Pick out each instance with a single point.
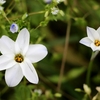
(14, 28)
(87, 89)
(98, 89)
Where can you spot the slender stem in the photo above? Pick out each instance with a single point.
(10, 5)
(89, 71)
(29, 14)
(64, 56)
(4, 90)
(4, 15)
(40, 12)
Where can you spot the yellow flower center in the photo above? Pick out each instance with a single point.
(97, 42)
(19, 58)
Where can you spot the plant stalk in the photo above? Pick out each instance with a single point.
(64, 56)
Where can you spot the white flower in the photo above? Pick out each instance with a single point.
(17, 58)
(2, 2)
(14, 28)
(54, 10)
(93, 39)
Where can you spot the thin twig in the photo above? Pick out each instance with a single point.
(4, 15)
(64, 55)
(33, 13)
(29, 14)
(10, 5)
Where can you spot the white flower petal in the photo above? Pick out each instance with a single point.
(86, 41)
(2, 2)
(13, 75)
(36, 52)
(6, 45)
(29, 72)
(94, 47)
(22, 41)
(7, 64)
(92, 34)
(5, 58)
(17, 49)
(98, 48)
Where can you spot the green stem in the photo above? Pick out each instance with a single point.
(89, 71)
(33, 13)
(4, 15)
(64, 56)
(4, 90)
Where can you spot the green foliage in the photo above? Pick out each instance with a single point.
(22, 93)
(74, 73)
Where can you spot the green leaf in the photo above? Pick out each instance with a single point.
(22, 92)
(74, 73)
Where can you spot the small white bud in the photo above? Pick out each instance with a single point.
(24, 16)
(39, 91)
(87, 89)
(98, 89)
(78, 90)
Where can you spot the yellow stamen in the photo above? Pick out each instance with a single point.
(97, 42)
(19, 58)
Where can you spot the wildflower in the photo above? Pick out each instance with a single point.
(2, 2)
(93, 39)
(17, 58)
(14, 28)
(54, 10)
